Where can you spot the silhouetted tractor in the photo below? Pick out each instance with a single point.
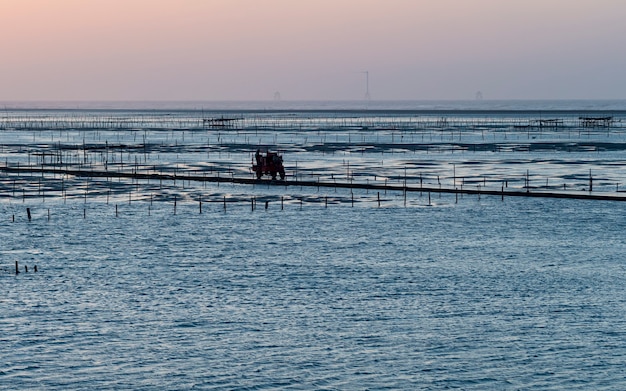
(269, 164)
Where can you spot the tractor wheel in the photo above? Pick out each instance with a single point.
(273, 175)
(282, 175)
(259, 174)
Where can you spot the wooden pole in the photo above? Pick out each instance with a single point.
(28, 213)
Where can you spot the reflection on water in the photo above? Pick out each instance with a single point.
(152, 284)
(472, 294)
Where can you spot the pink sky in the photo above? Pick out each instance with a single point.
(311, 49)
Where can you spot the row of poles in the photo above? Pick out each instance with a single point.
(254, 203)
(133, 188)
(17, 268)
(199, 120)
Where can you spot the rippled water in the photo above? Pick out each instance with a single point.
(474, 292)
(479, 294)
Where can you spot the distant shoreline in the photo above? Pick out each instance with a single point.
(348, 106)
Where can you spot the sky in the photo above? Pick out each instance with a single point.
(311, 49)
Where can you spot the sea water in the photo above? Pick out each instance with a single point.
(479, 294)
(443, 292)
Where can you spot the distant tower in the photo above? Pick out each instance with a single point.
(479, 95)
(277, 95)
(367, 85)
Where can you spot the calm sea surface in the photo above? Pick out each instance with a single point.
(443, 293)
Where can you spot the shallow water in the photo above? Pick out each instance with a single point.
(479, 294)
(136, 289)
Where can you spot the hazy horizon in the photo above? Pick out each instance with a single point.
(245, 50)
